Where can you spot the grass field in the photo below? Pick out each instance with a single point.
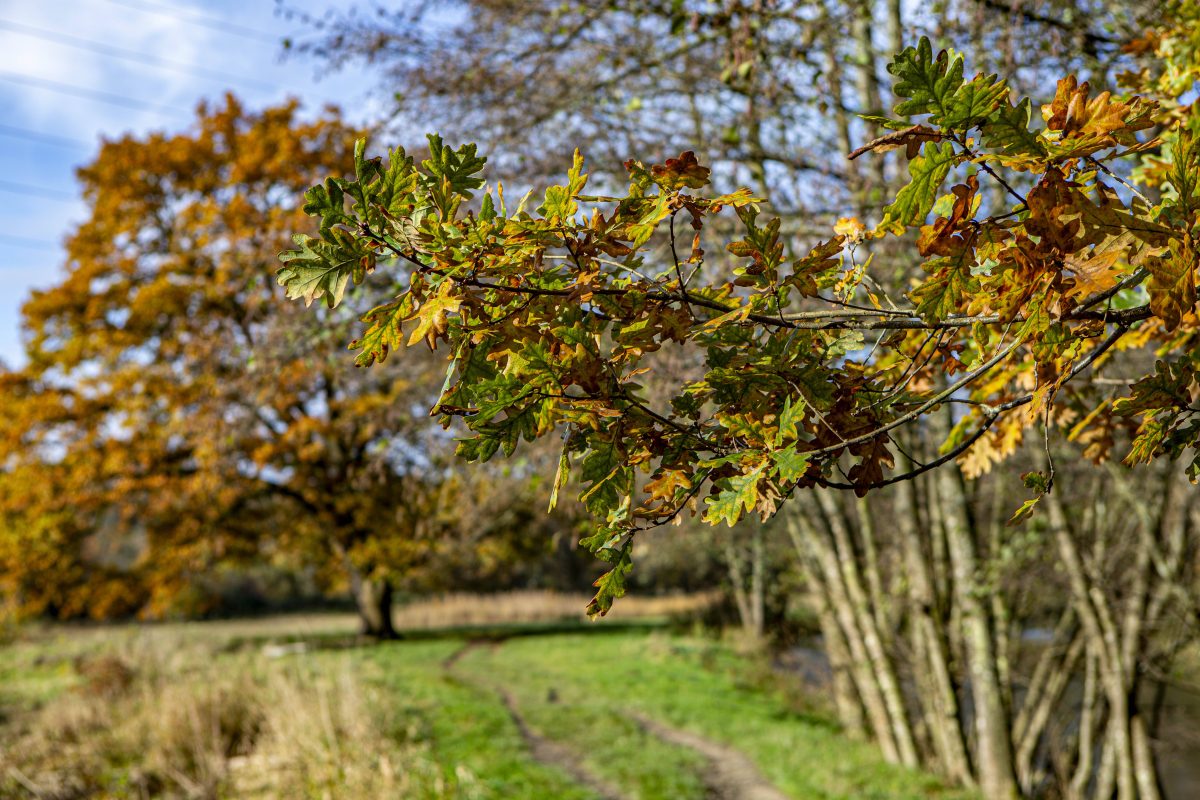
(605, 711)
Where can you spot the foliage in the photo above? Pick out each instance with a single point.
(552, 315)
(176, 413)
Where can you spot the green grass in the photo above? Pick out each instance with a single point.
(472, 738)
(32, 673)
(593, 725)
(691, 684)
(446, 731)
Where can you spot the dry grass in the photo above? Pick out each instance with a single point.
(527, 607)
(165, 718)
(445, 611)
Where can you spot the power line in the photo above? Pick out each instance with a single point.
(14, 187)
(43, 138)
(21, 241)
(215, 23)
(89, 45)
(89, 94)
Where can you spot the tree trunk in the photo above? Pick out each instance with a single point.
(1089, 718)
(997, 776)
(749, 591)
(1043, 697)
(873, 638)
(373, 598)
(845, 698)
(880, 600)
(932, 668)
(819, 553)
(1145, 769)
(1098, 625)
(737, 582)
(868, 79)
(758, 587)
(841, 118)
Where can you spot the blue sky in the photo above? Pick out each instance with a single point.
(72, 71)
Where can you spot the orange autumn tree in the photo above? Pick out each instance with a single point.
(176, 413)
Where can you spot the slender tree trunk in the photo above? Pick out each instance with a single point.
(1089, 719)
(895, 14)
(1055, 683)
(932, 666)
(737, 580)
(1145, 770)
(994, 762)
(868, 79)
(835, 88)
(749, 591)
(846, 699)
(1099, 626)
(758, 584)
(939, 571)
(1060, 639)
(881, 604)
(1106, 779)
(873, 637)
(1002, 618)
(820, 552)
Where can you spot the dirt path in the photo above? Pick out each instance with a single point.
(555, 754)
(542, 749)
(730, 775)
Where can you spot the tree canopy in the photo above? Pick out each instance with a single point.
(177, 413)
(804, 369)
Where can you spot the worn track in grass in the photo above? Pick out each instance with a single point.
(542, 749)
(729, 774)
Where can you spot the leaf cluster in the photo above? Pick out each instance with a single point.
(558, 320)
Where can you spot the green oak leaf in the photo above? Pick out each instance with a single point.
(939, 295)
(384, 332)
(928, 83)
(611, 585)
(739, 495)
(914, 202)
(322, 268)
(1007, 130)
(790, 465)
(974, 102)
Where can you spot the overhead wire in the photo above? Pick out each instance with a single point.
(187, 15)
(89, 45)
(98, 95)
(24, 189)
(111, 98)
(44, 138)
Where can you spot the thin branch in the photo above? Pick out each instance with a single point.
(834, 321)
(679, 272)
(937, 399)
(986, 168)
(990, 413)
